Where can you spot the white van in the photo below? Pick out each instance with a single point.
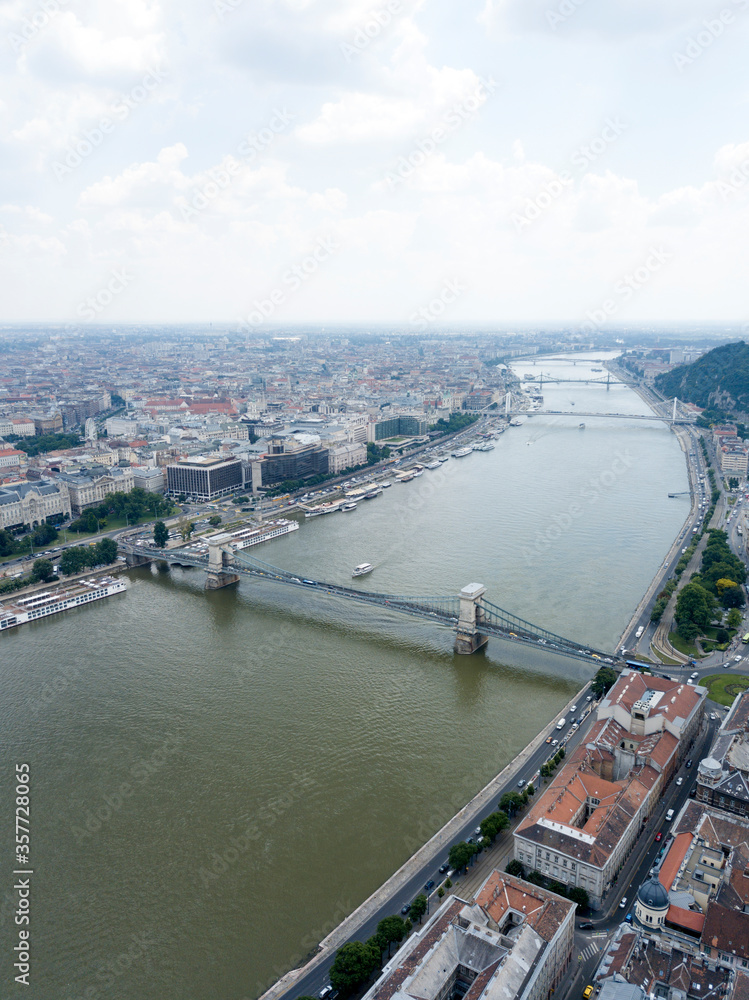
(669, 815)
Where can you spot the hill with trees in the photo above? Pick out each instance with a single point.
(718, 381)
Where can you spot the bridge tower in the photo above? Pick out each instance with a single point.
(468, 639)
(219, 555)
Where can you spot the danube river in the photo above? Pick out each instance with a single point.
(218, 778)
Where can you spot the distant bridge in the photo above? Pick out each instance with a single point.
(585, 413)
(469, 613)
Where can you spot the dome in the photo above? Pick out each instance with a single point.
(653, 894)
(710, 767)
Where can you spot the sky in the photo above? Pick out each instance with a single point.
(418, 162)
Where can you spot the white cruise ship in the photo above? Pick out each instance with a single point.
(51, 602)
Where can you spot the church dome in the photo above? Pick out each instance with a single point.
(653, 894)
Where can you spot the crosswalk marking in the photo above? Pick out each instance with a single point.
(590, 951)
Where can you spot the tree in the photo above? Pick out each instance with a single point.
(515, 867)
(460, 854)
(558, 887)
(440, 892)
(419, 906)
(530, 789)
(42, 570)
(106, 551)
(494, 824)
(734, 618)
(354, 964)
(214, 519)
(722, 635)
(694, 604)
(391, 929)
(603, 680)
(578, 895)
(535, 877)
(160, 535)
(732, 597)
(185, 528)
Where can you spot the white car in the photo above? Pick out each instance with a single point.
(737, 659)
(623, 903)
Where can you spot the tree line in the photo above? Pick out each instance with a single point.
(133, 506)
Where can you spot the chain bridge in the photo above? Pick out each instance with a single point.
(470, 614)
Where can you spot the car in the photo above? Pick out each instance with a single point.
(628, 918)
(555, 743)
(573, 709)
(429, 885)
(548, 739)
(688, 763)
(713, 716)
(589, 698)
(623, 903)
(658, 837)
(445, 868)
(737, 659)
(586, 925)
(679, 781)
(587, 993)
(521, 783)
(406, 909)
(477, 832)
(326, 991)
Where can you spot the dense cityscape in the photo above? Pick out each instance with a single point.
(186, 445)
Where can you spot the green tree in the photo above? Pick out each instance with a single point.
(214, 519)
(535, 877)
(460, 854)
(530, 789)
(494, 824)
(440, 892)
(603, 680)
(448, 883)
(734, 618)
(722, 635)
(185, 528)
(160, 534)
(558, 887)
(42, 570)
(419, 906)
(391, 929)
(515, 867)
(578, 895)
(354, 964)
(106, 551)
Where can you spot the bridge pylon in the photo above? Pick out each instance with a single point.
(219, 554)
(468, 639)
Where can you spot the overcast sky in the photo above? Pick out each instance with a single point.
(417, 161)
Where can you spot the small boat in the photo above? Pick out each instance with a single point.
(462, 452)
(385, 485)
(581, 426)
(405, 477)
(433, 465)
(373, 493)
(348, 506)
(362, 569)
(418, 471)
